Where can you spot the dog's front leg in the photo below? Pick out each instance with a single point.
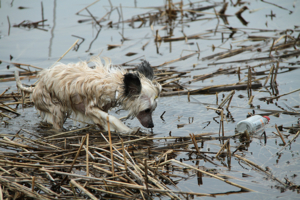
(100, 117)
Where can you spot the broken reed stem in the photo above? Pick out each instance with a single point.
(250, 100)
(280, 134)
(217, 99)
(87, 154)
(221, 120)
(42, 12)
(249, 84)
(230, 100)
(83, 189)
(271, 47)
(218, 21)
(228, 151)
(260, 168)
(87, 7)
(21, 188)
(270, 73)
(209, 174)
(276, 71)
(79, 150)
(95, 20)
(195, 142)
(32, 184)
(124, 155)
(166, 83)
(146, 175)
(110, 147)
(222, 148)
(222, 123)
(66, 52)
(289, 143)
(227, 98)
(283, 94)
(65, 133)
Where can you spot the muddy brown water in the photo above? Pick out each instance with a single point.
(42, 47)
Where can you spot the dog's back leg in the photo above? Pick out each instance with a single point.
(58, 116)
(100, 117)
(50, 108)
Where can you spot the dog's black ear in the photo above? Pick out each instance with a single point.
(132, 84)
(146, 69)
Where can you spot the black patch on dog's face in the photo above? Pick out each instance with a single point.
(132, 85)
(146, 69)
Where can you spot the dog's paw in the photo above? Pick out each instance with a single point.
(135, 130)
(132, 131)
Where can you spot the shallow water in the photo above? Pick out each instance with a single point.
(43, 47)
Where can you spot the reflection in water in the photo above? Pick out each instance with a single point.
(52, 29)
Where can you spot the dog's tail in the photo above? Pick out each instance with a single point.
(19, 84)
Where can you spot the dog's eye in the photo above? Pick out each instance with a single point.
(147, 110)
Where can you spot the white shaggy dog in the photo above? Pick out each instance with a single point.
(88, 94)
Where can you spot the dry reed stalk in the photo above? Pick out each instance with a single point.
(178, 59)
(21, 78)
(65, 133)
(110, 147)
(65, 154)
(66, 52)
(195, 142)
(32, 184)
(222, 148)
(83, 141)
(146, 176)
(95, 20)
(4, 92)
(83, 189)
(177, 79)
(289, 143)
(272, 75)
(21, 64)
(271, 70)
(276, 71)
(209, 174)
(271, 47)
(250, 100)
(86, 7)
(167, 78)
(124, 156)
(249, 84)
(109, 192)
(9, 142)
(222, 122)
(228, 153)
(21, 188)
(227, 99)
(87, 154)
(280, 134)
(270, 98)
(260, 168)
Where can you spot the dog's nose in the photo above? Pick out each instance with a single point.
(150, 125)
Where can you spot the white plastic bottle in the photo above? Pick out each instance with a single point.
(254, 125)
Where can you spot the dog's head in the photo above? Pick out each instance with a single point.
(141, 92)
